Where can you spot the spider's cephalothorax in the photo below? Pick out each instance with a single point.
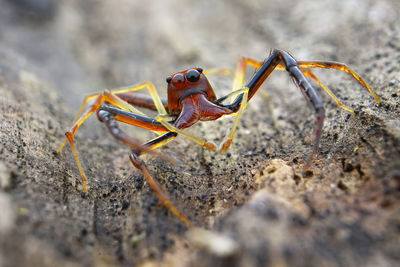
(192, 99)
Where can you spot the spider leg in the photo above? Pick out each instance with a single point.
(262, 73)
(70, 134)
(105, 115)
(124, 93)
(164, 120)
(236, 89)
(310, 74)
(304, 65)
(109, 115)
(161, 194)
(225, 71)
(339, 66)
(141, 100)
(105, 96)
(158, 103)
(229, 137)
(242, 63)
(238, 80)
(281, 60)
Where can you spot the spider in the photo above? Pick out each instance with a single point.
(191, 99)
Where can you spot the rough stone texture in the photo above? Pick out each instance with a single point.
(254, 199)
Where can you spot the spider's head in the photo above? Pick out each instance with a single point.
(185, 83)
(186, 78)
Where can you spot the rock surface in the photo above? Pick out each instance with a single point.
(254, 200)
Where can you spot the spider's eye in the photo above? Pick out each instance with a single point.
(178, 80)
(193, 75)
(169, 78)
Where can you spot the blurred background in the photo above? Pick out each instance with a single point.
(84, 46)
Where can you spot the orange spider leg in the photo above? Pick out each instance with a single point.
(304, 65)
(105, 96)
(163, 119)
(239, 74)
(85, 100)
(225, 71)
(310, 74)
(342, 67)
(237, 88)
(229, 137)
(124, 112)
(282, 60)
(70, 135)
(159, 105)
(161, 194)
(243, 62)
(238, 78)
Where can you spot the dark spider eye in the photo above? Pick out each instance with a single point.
(199, 70)
(178, 80)
(193, 75)
(169, 78)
